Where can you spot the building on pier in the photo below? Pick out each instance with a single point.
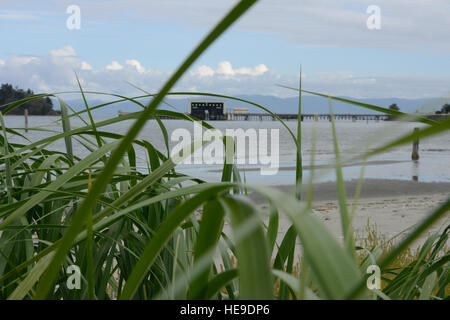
(208, 109)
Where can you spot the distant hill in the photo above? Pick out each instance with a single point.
(310, 104)
(41, 107)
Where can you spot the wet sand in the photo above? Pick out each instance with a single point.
(394, 206)
(393, 216)
(371, 188)
(329, 166)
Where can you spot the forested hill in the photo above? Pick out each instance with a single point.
(41, 107)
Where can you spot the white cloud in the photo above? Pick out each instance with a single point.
(66, 51)
(54, 72)
(226, 69)
(204, 71)
(114, 66)
(256, 71)
(136, 64)
(85, 66)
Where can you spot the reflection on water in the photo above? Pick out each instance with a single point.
(415, 170)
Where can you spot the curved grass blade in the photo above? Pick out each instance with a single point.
(347, 230)
(220, 281)
(99, 186)
(365, 105)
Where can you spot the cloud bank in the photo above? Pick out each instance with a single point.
(55, 72)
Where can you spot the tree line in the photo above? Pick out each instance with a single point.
(445, 109)
(41, 106)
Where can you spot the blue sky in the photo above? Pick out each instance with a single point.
(144, 41)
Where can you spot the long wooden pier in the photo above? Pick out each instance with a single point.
(306, 116)
(289, 116)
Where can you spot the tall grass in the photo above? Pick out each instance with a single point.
(147, 234)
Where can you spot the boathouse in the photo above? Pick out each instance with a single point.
(208, 109)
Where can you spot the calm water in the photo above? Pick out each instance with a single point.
(354, 138)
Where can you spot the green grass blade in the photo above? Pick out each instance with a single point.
(220, 281)
(253, 257)
(208, 236)
(8, 171)
(366, 105)
(99, 141)
(66, 128)
(90, 251)
(33, 276)
(272, 228)
(298, 167)
(347, 230)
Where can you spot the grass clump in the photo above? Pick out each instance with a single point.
(371, 238)
(137, 233)
(404, 275)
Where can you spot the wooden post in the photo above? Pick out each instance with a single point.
(316, 117)
(415, 149)
(26, 119)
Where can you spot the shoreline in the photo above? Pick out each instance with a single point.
(329, 166)
(371, 188)
(394, 207)
(393, 217)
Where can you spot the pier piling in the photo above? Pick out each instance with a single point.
(26, 119)
(415, 149)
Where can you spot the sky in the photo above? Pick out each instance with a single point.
(119, 43)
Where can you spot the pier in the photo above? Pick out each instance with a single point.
(241, 116)
(287, 116)
(306, 116)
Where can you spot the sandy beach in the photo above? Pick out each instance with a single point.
(394, 206)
